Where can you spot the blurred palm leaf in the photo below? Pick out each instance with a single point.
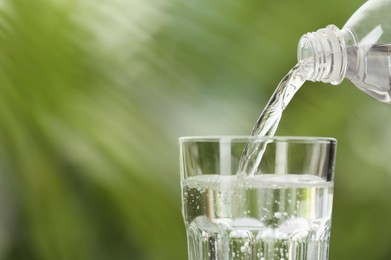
(71, 135)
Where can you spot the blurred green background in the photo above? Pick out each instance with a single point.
(94, 94)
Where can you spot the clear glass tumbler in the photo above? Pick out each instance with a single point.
(282, 212)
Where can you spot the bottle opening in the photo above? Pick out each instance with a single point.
(324, 52)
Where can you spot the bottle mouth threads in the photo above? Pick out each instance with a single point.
(324, 53)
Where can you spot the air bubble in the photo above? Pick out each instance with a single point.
(277, 215)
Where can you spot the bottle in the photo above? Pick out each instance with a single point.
(360, 51)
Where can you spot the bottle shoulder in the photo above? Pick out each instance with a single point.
(371, 23)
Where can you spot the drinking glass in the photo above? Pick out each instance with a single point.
(282, 212)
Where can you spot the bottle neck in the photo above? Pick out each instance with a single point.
(324, 54)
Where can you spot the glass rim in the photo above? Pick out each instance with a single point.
(244, 138)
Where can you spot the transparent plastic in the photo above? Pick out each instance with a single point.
(360, 51)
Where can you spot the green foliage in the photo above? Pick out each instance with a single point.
(94, 94)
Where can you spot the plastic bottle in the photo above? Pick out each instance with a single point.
(360, 51)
